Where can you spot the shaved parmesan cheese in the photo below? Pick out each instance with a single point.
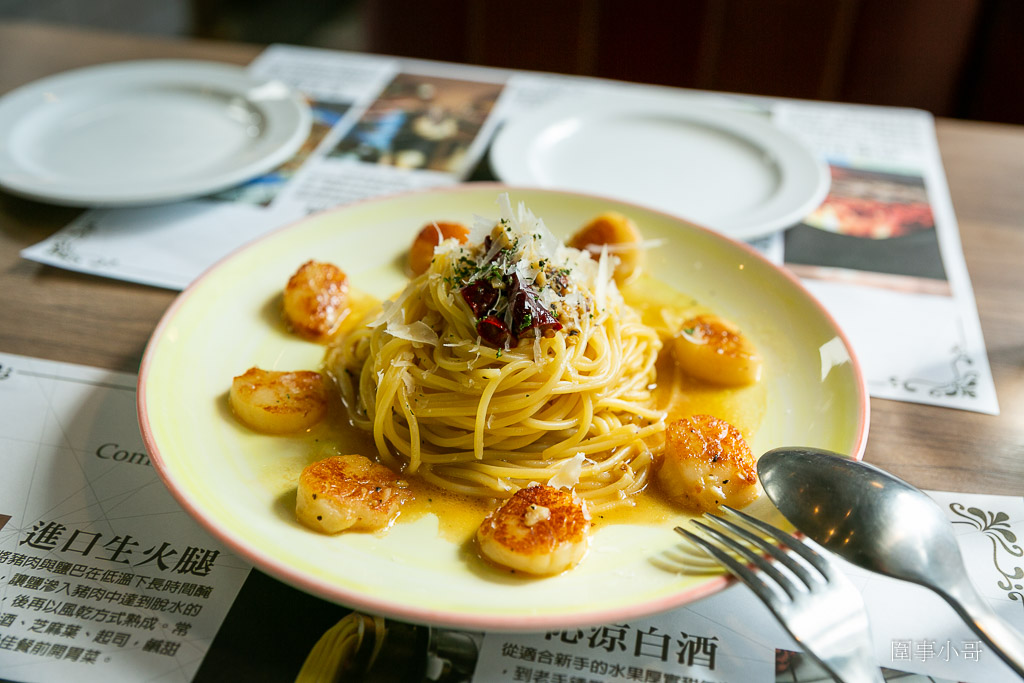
(446, 246)
(536, 514)
(403, 360)
(505, 205)
(481, 229)
(418, 331)
(392, 310)
(568, 475)
(527, 270)
(408, 382)
(496, 246)
(601, 285)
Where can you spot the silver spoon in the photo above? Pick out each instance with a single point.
(883, 524)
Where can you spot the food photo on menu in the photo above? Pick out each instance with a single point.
(875, 224)
(420, 122)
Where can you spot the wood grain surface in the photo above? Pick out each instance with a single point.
(65, 316)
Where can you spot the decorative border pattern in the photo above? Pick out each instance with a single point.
(995, 526)
(64, 249)
(963, 382)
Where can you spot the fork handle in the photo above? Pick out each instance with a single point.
(990, 627)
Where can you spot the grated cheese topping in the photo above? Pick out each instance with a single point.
(518, 280)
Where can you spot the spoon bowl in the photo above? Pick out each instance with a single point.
(881, 523)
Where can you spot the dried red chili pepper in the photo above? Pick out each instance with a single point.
(481, 297)
(494, 332)
(527, 310)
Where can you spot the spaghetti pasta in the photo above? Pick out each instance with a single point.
(513, 359)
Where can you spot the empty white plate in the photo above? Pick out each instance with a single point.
(145, 132)
(734, 172)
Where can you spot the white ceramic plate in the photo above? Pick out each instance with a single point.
(145, 132)
(734, 172)
(241, 485)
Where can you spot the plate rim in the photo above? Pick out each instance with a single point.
(287, 109)
(511, 165)
(426, 615)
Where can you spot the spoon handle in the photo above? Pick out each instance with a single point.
(983, 620)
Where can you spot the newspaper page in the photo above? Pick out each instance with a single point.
(103, 576)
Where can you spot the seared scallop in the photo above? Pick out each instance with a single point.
(421, 253)
(707, 463)
(715, 350)
(540, 530)
(278, 402)
(621, 237)
(348, 492)
(316, 300)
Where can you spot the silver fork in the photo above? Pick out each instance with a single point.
(814, 602)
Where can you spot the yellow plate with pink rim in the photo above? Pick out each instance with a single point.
(241, 485)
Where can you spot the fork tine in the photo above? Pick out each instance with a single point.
(813, 558)
(768, 594)
(781, 556)
(753, 555)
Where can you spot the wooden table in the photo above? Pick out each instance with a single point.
(59, 315)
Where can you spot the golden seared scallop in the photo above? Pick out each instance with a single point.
(713, 349)
(316, 300)
(278, 402)
(707, 463)
(621, 236)
(540, 530)
(421, 253)
(348, 492)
